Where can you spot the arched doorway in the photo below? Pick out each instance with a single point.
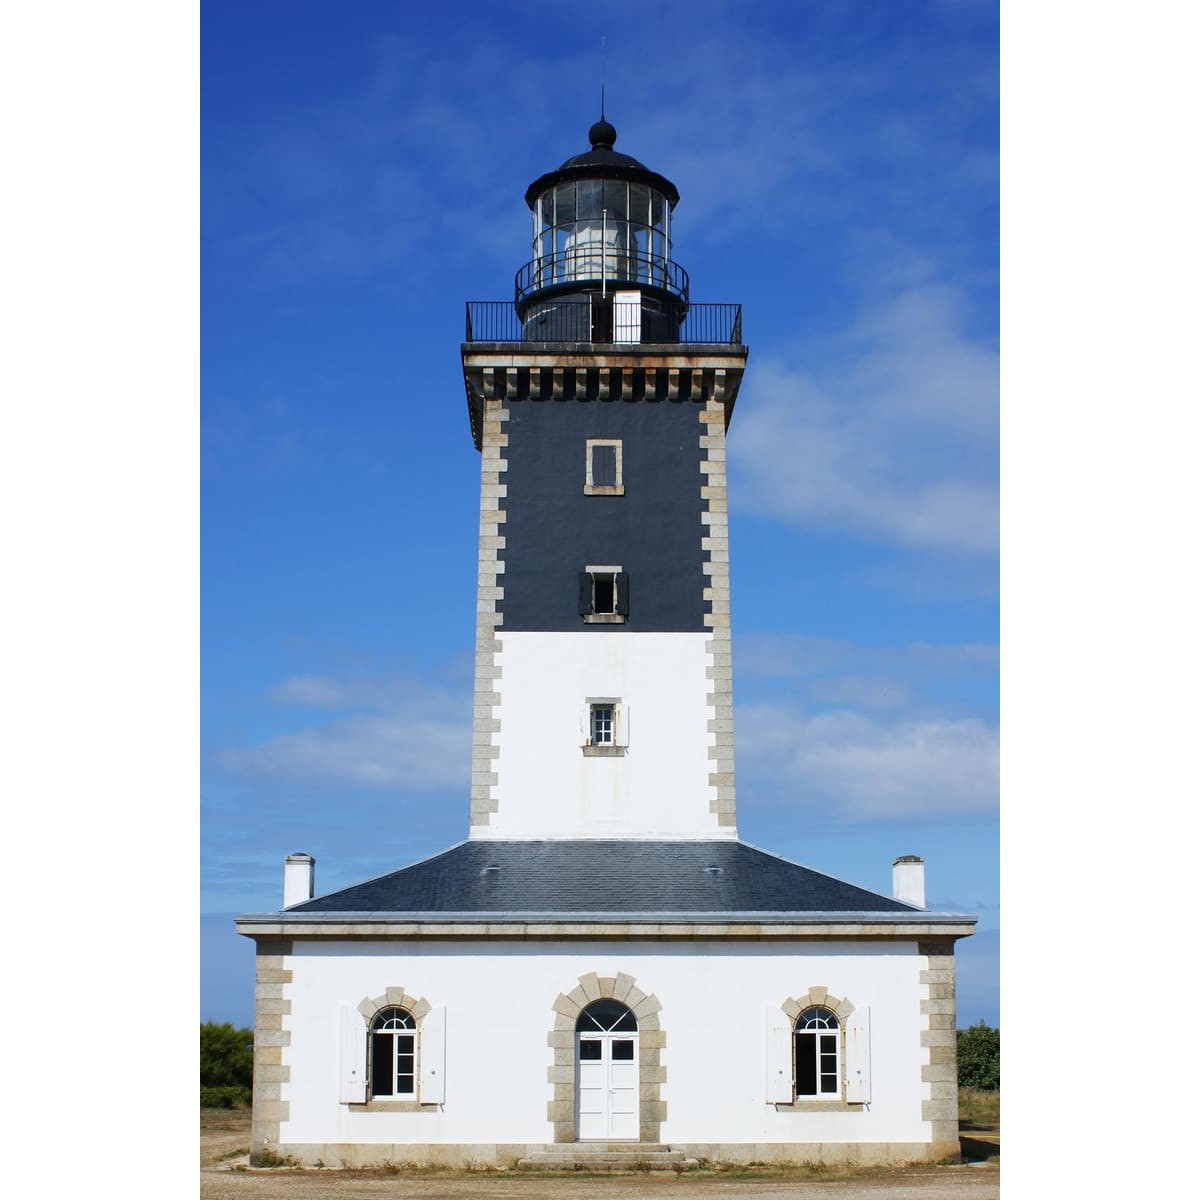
(606, 1073)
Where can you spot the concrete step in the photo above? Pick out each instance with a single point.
(607, 1156)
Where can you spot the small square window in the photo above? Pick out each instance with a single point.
(604, 475)
(603, 595)
(604, 726)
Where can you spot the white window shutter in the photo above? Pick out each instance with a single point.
(353, 1086)
(621, 722)
(585, 725)
(858, 1056)
(433, 1056)
(778, 1032)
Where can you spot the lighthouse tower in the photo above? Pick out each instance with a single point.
(599, 399)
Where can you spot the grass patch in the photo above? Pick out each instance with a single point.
(268, 1158)
(978, 1109)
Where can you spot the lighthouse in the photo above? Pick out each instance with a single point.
(599, 399)
(602, 973)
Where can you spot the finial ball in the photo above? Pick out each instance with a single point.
(602, 135)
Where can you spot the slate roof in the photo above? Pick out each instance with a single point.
(604, 877)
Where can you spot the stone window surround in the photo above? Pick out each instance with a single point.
(600, 489)
(605, 618)
(417, 1007)
(819, 997)
(608, 749)
(651, 1039)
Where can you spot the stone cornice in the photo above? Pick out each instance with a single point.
(505, 372)
(387, 926)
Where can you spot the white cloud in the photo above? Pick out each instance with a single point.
(371, 751)
(774, 655)
(889, 433)
(409, 736)
(856, 768)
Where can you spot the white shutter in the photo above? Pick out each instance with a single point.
(585, 725)
(433, 1056)
(353, 1085)
(778, 1036)
(621, 723)
(858, 1056)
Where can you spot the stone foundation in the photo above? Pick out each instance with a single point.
(507, 1154)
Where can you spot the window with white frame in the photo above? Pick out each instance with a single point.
(604, 727)
(393, 1056)
(603, 594)
(602, 724)
(393, 1049)
(818, 1059)
(603, 468)
(818, 1053)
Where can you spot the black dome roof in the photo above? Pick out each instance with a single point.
(602, 162)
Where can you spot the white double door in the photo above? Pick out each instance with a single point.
(608, 1086)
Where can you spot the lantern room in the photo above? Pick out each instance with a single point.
(601, 267)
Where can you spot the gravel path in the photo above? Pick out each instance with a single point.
(942, 1183)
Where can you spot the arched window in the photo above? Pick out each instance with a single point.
(606, 1016)
(393, 1069)
(818, 1053)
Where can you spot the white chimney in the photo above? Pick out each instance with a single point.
(299, 871)
(908, 879)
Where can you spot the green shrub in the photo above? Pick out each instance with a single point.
(231, 1095)
(226, 1065)
(979, 1058)
(226, 1055)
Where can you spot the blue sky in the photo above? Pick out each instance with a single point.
(363, 169)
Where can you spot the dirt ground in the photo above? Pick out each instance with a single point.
(224, 1175)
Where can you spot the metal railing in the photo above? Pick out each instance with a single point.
(594, 263)
(577, 321)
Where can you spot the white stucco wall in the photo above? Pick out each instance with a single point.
(498, 999)
(547, 788)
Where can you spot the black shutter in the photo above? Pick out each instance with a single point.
(604, 466)
(623, 593)
(585, 593)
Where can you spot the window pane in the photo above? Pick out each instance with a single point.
(616, 199)
(806, 1065)
(641, 248)
(564, 199)
(609, 1015)
(622, 1051)
(589, 198)
(602, 729)
(639, 203)
(816, 1018)
(589, 1051)
(381, 1064)
(605, 594)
